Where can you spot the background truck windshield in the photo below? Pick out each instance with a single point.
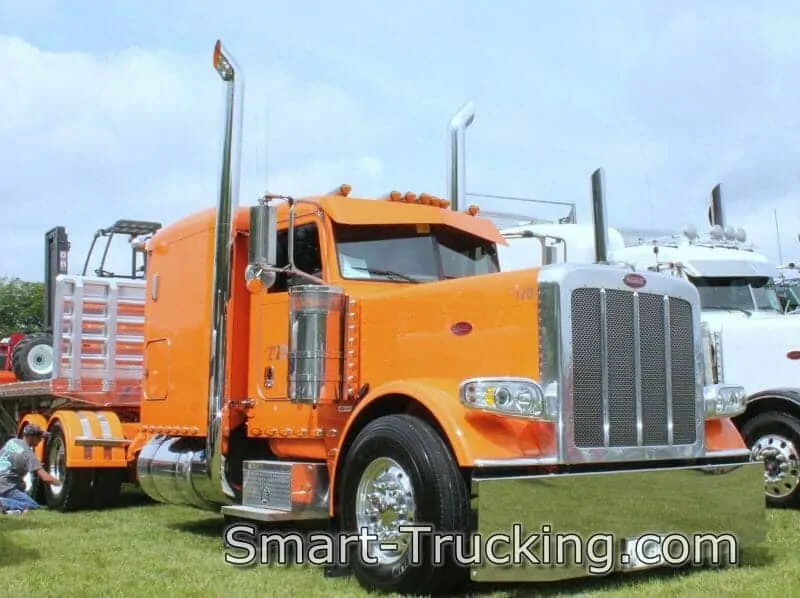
(788, 294)
(756, 293)
(411, 253)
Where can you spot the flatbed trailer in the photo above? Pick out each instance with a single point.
(90, 405)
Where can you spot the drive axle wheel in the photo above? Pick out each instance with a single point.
(400, 472)
(75, 490)
(774, 439)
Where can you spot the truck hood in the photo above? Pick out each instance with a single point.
(755, 350)
(718, 317)
(482, 325)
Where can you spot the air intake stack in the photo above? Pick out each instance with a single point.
(457, 164)
(599, 217)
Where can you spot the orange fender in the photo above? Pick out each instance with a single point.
(93, 438)
(471, 434)
(36, 420)
(722, 435)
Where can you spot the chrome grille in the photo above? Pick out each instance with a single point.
(633, 369)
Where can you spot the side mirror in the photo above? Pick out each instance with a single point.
(263, 248)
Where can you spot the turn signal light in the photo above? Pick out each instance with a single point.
(425, 199)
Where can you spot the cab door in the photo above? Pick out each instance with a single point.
(271, 321)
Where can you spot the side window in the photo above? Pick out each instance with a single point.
(307, 256)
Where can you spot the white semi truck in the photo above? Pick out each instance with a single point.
(747, 336)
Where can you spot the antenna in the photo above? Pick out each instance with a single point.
(266, 145)
(778, 236)
(257, 153)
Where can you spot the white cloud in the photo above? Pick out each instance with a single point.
(89, 139)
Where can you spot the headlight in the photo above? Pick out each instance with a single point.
(723, 400)
(518, 397)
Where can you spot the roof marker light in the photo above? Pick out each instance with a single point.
(342, 190)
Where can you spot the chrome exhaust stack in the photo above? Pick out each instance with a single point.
(716, 214)
(218, 487)
(457, 165)
(188, 470)
(601, 241)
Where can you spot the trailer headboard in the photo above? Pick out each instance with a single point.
(98, 337)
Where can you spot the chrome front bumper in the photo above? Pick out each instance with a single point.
(623, 504)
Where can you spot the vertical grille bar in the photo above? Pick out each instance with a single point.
(637, 370)
(668, 371)
(653, 369)
(604, 367)
(682, 380)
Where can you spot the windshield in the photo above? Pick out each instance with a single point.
(411, 253)
(788, 295)
(793, 299)
(755, 293)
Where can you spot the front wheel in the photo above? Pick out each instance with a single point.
(774, 439)
(399, 472)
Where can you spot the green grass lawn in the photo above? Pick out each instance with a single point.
(143, 549)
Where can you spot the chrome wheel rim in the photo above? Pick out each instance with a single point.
(56, 463)
(384, 503)
(781, 464)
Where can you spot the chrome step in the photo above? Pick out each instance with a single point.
(271, 515)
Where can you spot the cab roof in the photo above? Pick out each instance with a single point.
(348, 210)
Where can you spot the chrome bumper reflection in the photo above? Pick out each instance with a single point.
(725, 498)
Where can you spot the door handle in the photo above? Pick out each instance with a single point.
(268, 376)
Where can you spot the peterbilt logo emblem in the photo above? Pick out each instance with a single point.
(635, 281)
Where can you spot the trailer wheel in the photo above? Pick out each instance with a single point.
(400, 472)
(32, 357)
(774, 439)
(76, 483)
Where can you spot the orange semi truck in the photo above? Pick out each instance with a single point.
(365, 362)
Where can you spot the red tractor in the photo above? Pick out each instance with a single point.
(27, 357)
(6, 349)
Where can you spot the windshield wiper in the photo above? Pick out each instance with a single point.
(389, 273)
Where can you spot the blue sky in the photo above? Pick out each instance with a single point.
(112, 110)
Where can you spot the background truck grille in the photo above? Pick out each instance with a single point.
(638, 351)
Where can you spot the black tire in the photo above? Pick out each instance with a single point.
(106, 487)
(75, 491)
(21, 364)
(774, 437)
(441, 499)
